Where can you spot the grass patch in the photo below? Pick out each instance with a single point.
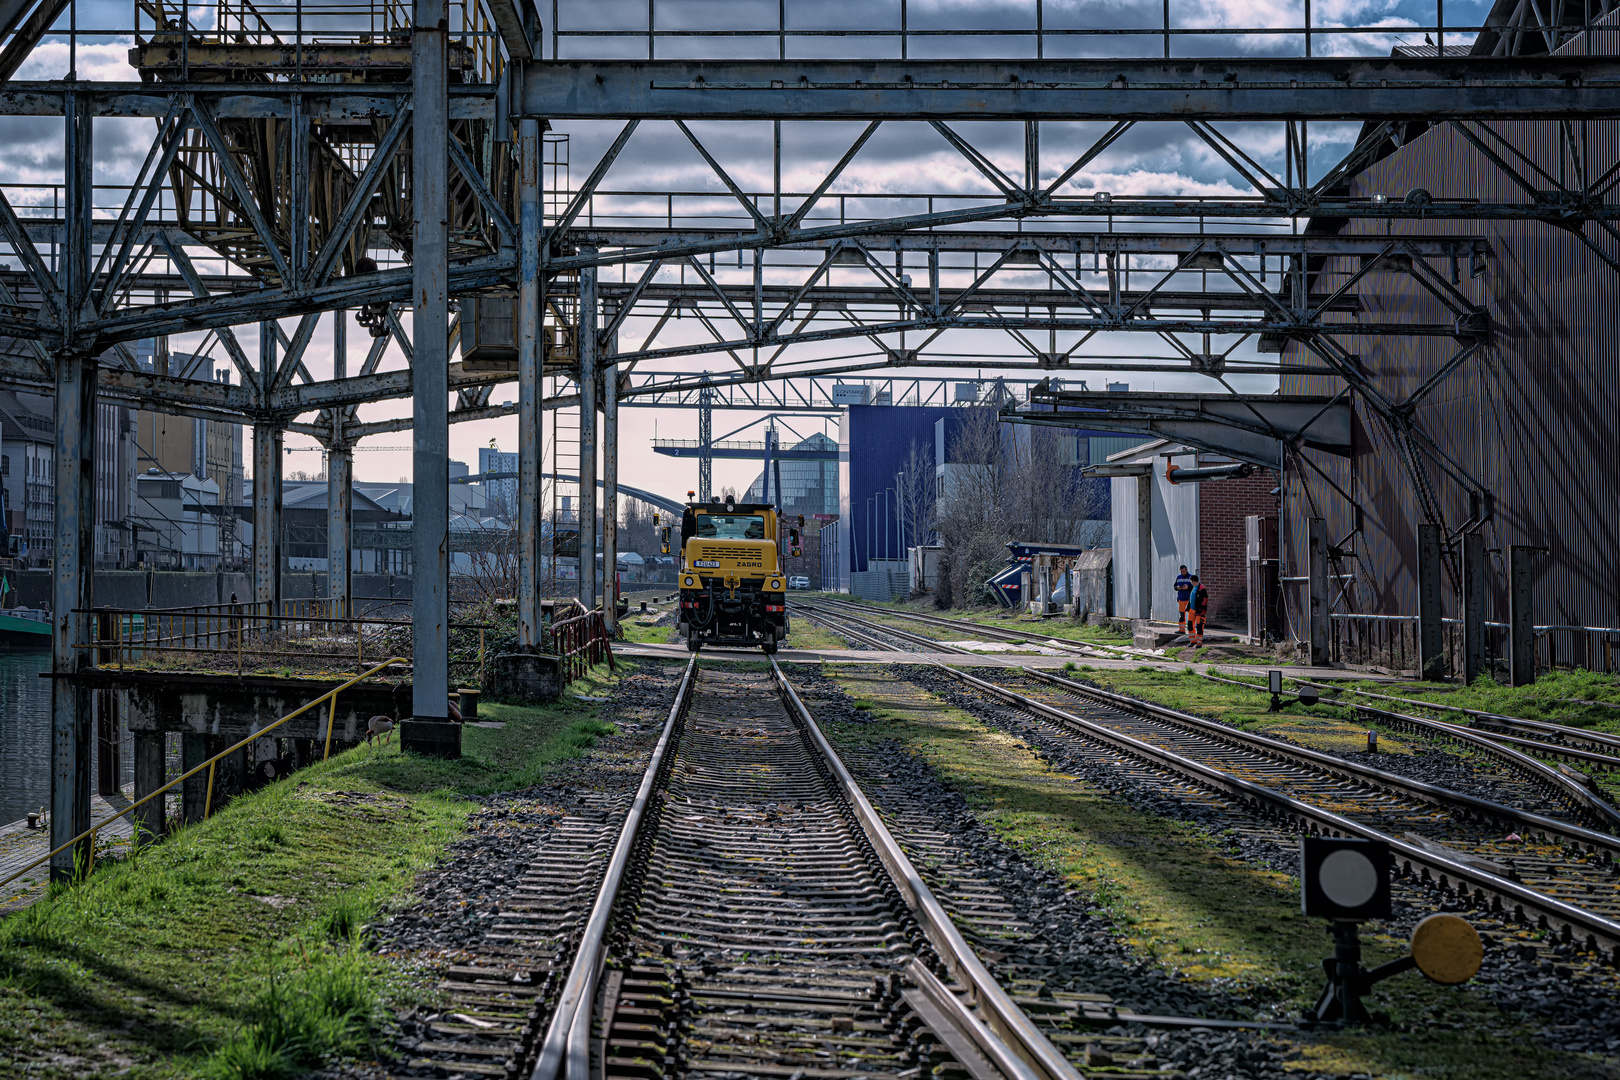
(1330, 728)
(1583, 699)
(1178, 898)
(633, 629)
(235, 949)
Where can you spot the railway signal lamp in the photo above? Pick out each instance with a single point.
(663, 544)
(1275, 686)
(793, 542)
(1344, 880)
(1347, 881)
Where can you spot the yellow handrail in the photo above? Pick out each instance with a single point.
(209, 765)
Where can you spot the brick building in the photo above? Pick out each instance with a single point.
(1161, 521)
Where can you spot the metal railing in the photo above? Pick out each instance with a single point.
(580, 642)
(331, 720)
(1391, 641)
(299, 635)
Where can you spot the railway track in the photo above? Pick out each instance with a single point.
(1558, 875)
(1507, 740)
(756, 918)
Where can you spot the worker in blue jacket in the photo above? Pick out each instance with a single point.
(1184, 588)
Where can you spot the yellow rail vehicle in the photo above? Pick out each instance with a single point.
(733, 590)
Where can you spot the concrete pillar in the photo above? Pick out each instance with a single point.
(339, 528)
(1431, 635)
(610, 496)
(149, 776)
(531, 361)
(267, 455)
(1521, 615)
(588, 376)
(430, 521)
(194, 750)
(1319, 600)
(1473, 605)
(72, 574)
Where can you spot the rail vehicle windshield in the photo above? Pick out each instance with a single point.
(731, 526)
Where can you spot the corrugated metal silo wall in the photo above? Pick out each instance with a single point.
(1535, 418)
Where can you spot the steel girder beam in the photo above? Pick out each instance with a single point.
(1325, 88)
(1249, 427)
(618, 243)
(384, 286)
(235, 101)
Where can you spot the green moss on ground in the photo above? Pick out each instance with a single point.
(1331, 728)
(233, 950)
(1179, 898)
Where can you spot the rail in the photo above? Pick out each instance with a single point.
(567, 1039)
(1008, 1040)
(1036, 1056)
(331, 718)
(1472, 882)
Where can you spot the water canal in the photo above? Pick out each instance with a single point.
(25, 734)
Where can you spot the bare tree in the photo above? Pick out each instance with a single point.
(973, 503)
(916, 494)
(1002, 483)
(638, 534)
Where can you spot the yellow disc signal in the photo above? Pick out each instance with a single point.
(1447, 949)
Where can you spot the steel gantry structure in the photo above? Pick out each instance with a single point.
(310, 163)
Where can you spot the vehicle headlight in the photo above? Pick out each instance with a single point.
(689, 582)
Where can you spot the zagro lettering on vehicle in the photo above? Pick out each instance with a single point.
(712, 564)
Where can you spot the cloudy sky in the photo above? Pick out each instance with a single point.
(901, 162)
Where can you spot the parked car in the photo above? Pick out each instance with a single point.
(799, 582)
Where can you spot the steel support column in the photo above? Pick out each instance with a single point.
(1317, 590)
(1521, 614)
(339, 528)
(430, 518)
(72, 572)
(531, 439)
(267, 455)
(339, 487)
(1431, 636)
(587, 436)
(610, 494)
(1473, 605)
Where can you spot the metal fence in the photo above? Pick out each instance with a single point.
(1391, 642)
(293, 637)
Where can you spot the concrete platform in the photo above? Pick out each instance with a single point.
(999, 660)
(20, 845)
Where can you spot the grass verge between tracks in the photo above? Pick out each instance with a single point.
(234, 950)
(1179, 898)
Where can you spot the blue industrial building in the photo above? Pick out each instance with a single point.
(874, 443)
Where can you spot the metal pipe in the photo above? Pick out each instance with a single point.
(530, 436)
(430, 453)
(1175, 474)
(587, 435)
